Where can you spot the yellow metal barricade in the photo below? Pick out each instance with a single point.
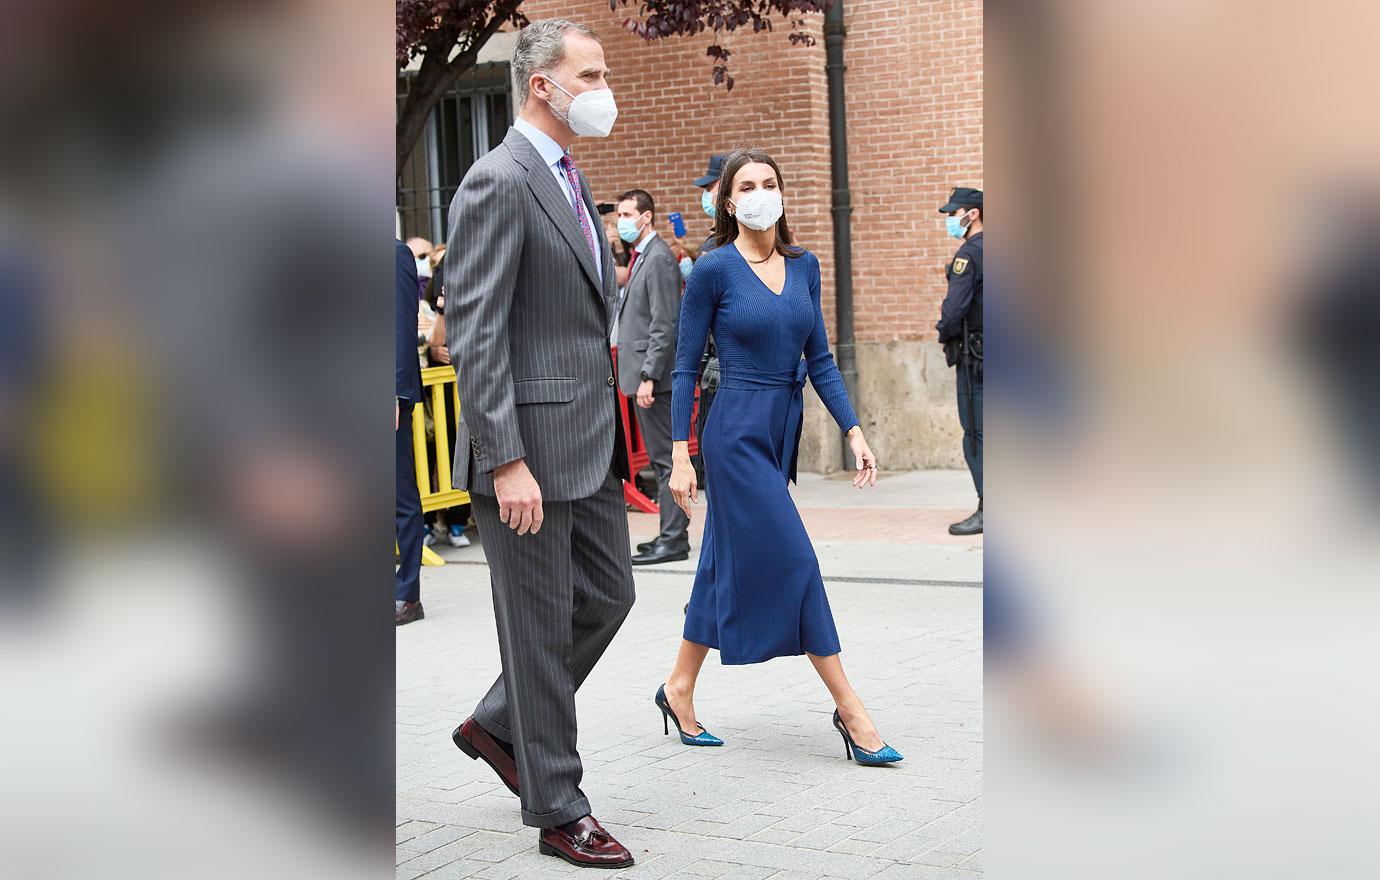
(437, 382)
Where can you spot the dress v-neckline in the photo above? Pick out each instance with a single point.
(785, 273)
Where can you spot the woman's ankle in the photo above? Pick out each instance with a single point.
(851, 708)
(679, 689)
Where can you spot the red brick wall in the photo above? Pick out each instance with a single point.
(914, 87)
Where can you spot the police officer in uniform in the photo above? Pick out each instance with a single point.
(960, 332)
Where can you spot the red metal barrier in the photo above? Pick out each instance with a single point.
(637, 447)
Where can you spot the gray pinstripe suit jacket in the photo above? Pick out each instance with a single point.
(527, 325)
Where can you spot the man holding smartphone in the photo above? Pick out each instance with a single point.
(648, 318)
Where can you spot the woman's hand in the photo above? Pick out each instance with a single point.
(683, 486)
(862, 454)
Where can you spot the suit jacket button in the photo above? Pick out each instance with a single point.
(610, 380)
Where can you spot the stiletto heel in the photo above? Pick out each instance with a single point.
(856, 753)
(705, 738)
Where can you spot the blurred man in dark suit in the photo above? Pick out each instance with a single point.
(407, 601)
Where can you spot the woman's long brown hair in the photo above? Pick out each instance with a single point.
(726, 225)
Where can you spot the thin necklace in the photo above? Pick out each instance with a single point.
(764, 259)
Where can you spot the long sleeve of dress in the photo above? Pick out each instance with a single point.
(824, 373)
(702, 292)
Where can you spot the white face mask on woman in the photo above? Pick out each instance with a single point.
(759, 209)
(590, 114)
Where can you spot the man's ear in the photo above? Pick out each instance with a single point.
(538, 79)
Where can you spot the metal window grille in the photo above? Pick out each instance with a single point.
(469, 121)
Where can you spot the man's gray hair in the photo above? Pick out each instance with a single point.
(540, 47)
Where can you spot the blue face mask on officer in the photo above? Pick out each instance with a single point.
(955, 224)
(707, 202)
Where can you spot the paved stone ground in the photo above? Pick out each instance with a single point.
(779, 800)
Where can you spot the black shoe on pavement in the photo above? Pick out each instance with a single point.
(970, 526)
(658, 553)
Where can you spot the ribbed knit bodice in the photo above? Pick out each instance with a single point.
(755, 331)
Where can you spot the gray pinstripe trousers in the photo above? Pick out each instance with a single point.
(559, 597)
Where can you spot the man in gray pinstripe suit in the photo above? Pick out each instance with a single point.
(530, 289)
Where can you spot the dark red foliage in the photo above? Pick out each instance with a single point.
(423, 24)
(682, 18)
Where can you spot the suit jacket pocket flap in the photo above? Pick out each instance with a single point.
(556, 390)
(641, 345)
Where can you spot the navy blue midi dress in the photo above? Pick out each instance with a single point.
(758, 593)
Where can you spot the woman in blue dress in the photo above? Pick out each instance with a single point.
(758, 593)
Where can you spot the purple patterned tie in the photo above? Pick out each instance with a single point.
(573, 177)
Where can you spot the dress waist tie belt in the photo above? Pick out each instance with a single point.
(795, 410)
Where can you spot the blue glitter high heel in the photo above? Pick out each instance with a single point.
(705, 738)
(885, 755)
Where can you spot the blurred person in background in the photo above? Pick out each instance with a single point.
(24, 333)
(427, 323)
(960, 332)
(758, 593)
(645, 331)
(200, 147)
(621, 256)
(439, 356)
(540, 445)
(407, 598)
(708, 184)
(683, 260)
(421, 250)
(426, 318)
(708, 380)
(1339, 321)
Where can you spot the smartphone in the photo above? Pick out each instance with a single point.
(677, 224)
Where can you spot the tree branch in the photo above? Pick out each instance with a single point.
(436, 75)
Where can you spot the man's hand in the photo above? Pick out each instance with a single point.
(519, 497)
(644, 394)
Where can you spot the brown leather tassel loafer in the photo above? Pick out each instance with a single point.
(478, 743)
(586, 844)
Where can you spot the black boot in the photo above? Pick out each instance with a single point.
(970, 526)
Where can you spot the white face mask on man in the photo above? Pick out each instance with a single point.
(590, 114)
(759, 209)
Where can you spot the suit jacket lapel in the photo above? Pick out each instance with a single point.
(554, 202)
(608, 288)
(636, 270)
